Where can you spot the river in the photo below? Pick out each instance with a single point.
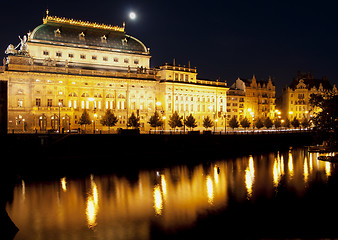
(272, 195)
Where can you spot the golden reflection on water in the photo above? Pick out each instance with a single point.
(92, 204)
(158, 203)
(173, 197)
(250, 176)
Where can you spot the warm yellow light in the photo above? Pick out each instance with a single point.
(164, 185)
(250, 176)
(328, 168)
(158, 104)
(92, 204)
(91, 99)
(291, 112)
(210, 190)
(306, 171)
(290, 164)
(91, 212)
(63, 184)
(158, 203)
(95, 115)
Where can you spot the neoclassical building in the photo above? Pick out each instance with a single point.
(65, 66)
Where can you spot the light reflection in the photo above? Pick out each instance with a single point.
(175, 196)
(63, 184)
(216, 169)
(306, 171)
(290, 164)
(92, 204)
(328, 168)
(164, 185)
(158, 202)
(210, 190)
(278, 169)
(250, 176)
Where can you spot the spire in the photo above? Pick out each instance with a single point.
(254, 78)
(47, 12)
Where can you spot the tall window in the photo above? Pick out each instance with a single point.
(38, 102)
(49, 102)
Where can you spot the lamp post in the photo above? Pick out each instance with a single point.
(60, 105)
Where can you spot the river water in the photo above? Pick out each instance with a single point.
(275, 195)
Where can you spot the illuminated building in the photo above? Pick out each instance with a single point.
(65, 66)
(251, 98)
(295, 98)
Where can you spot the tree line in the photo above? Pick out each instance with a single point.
(176, 121)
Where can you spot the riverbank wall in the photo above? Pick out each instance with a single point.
(95, 152)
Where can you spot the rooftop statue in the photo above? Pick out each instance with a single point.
(23, 47)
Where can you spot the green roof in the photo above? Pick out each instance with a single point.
(64, 34)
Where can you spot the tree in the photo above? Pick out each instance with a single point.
(305, 123)
(295, 123)
(109, 119)
(268, 123)
(325, 116)
(207, 122)
(286, 123)
(85, 119)
(175, 120)
(245, 123)
(233, 123)
(259, 123)
(277, 122)
(133, 121)
(155, 120)
(190, 122)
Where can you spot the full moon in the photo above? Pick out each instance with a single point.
(132, 15)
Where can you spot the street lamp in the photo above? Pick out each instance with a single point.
(60, 105)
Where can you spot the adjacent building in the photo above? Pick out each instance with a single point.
(66, 66)
(251, 99)
(295, 97)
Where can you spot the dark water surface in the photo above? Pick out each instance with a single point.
(287, 194)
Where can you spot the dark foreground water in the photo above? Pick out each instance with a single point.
(277, 195)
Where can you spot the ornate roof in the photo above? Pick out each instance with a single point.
(63, 31)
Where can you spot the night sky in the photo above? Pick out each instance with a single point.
(223, 39)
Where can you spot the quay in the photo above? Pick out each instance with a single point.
(97, 152)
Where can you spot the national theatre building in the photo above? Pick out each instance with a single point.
(65, 66)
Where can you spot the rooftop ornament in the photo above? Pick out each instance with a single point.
(54, 19)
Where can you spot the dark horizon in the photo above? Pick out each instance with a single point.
(224, 40)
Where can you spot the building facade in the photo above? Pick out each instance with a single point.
(251, 99)
(66, 66)
(296, 97)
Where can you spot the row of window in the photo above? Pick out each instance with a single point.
(194, 108)
(199, 99)
(93, 57)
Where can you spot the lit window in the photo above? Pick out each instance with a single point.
(20, 103)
